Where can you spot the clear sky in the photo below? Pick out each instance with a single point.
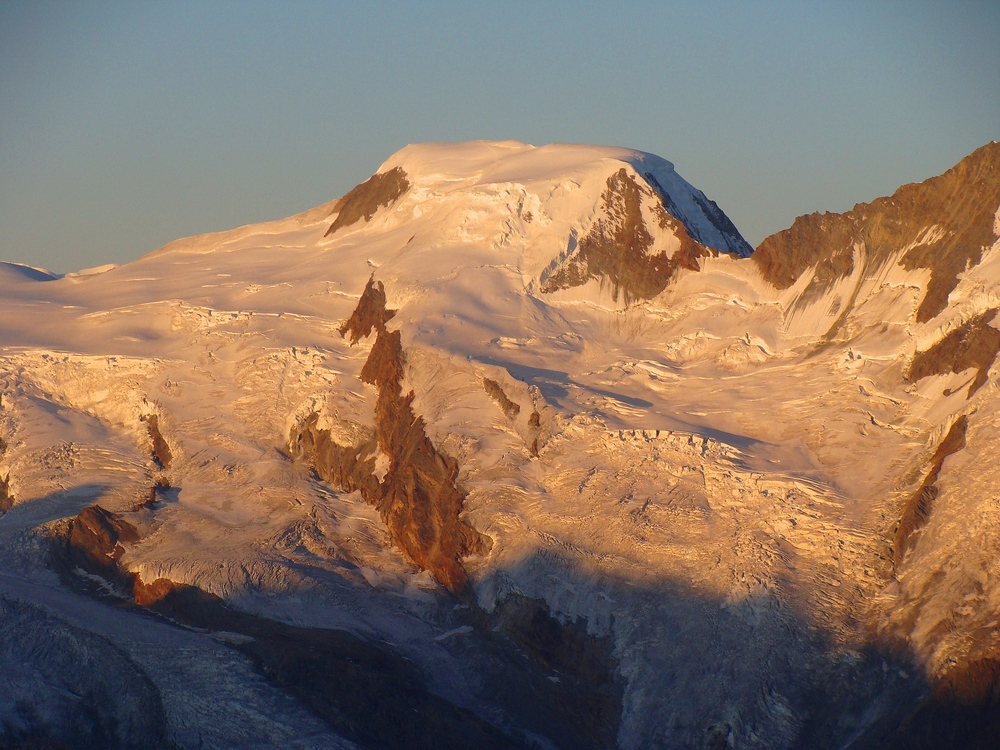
(126, 125)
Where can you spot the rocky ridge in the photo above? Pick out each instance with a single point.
(417, 498)
(943, 225)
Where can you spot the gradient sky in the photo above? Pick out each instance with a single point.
(124, 126)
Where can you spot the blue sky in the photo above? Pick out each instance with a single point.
(126, 125)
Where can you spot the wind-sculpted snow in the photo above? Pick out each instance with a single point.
(531, 439)
(13, 273)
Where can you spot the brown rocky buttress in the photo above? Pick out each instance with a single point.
(417, 498)
(942, 224)
(363, 200)
(6, 497)
(617, 248)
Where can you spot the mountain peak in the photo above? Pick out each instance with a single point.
(615, 215)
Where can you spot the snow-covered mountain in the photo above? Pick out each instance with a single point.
(512, 447)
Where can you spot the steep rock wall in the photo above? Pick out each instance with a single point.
(508, 407)
(161, 451)
(918, 508)
(6, 498)
(942, 224)
(617, 248)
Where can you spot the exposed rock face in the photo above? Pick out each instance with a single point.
(821, 240)
(535, 427)
(148, 594)
(918, 509)
(95, 543)
(365, 199)
(617, 247)
(6, 498)
(508, 407)
(417, 498)
(95, 540)
(370, 314)
(350, 467)
(974, 345)
(161, 451)
(946, 221)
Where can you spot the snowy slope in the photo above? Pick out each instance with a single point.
(706, 468)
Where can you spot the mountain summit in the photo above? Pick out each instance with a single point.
(512, 446)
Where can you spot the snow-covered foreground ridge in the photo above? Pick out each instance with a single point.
(531, 430)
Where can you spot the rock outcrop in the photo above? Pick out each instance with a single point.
(95, 540)
(350, 467)
(365, 199)
(918, 508)
(370, 313)
(942, 224)
(974, 345)
(161, 451)
(417, 498)
(496, 392)
(616, 250)
(6, 498)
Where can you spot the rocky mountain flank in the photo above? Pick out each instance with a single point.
(943, 225)
(617, 249)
